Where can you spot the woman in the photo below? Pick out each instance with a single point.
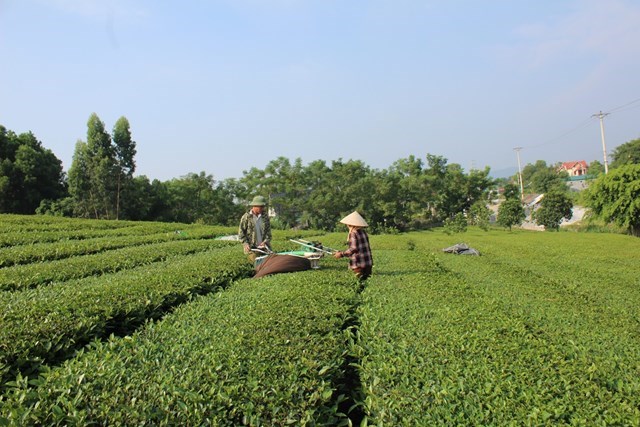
(359, 251)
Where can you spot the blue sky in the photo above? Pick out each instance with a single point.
(221, 86)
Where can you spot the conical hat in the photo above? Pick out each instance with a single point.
(355, 219)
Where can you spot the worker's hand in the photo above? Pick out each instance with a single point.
(337, 254)
(247, 248)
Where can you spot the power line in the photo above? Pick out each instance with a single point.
(585, 123)
(622, 106)
(551, 141)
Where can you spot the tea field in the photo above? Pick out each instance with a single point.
(129, 323)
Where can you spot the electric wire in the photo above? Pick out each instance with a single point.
(622, 106)
(585, 123)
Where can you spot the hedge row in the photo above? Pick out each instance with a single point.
(46, 324)
(37, 274)
(490, 340)
(29, 223)
(40, 252)
(14, 238)
(265, 351)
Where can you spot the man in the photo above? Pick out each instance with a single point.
(359, 251)
(255, 229)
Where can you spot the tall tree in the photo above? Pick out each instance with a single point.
(317, 212)
(102, 168)
(124, 151)
(407, 180)
(80, 182)
(436, 177)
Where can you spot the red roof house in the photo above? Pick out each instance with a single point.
(578, 168)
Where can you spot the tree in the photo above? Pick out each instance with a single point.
(510, 213)
(101, 174)
(541, 178)
(406, 192)
(596, 168)
(478, 184)
(511, 191)
(479, 215)
(29, 173)
(93, 174)
(627, 153)
(453, 197)
(455, 224)
(615, 197)
(125, 151)
(79, 182)
(555, 206)
(191, 197)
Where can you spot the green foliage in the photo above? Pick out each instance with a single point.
(594, 225)
(531, 333)
(456, 224)
(264, 353)
(555, 207)
(124, 153)
(615, 197)
(479, 215)
(411, 245)
(510, 213)
(626, 154)
(596, 168)
(411, 194)
(540, 178)
(49, 323)
(534, 332)
(29, 173)
(60, 207)
(511, 191)
(108, 261)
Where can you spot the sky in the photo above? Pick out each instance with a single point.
(223, 86)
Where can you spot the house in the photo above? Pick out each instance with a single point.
(578, 168)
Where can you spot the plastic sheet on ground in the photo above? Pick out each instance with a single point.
(461, 249)
(232, 237)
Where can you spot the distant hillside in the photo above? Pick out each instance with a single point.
(504, 173)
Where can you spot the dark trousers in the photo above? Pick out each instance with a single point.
(363, 273)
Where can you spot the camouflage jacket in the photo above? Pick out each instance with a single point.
(247, 232)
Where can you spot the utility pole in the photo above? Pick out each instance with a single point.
(601, 116)
(517, 150)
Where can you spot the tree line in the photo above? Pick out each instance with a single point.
(412, 193)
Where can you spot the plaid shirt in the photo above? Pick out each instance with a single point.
(359, 251)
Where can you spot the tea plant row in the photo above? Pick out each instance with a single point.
(39, 274)
(49, 323)
(262, 352)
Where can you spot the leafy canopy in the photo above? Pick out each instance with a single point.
(615, 197)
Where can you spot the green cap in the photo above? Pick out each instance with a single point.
(258, 201)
